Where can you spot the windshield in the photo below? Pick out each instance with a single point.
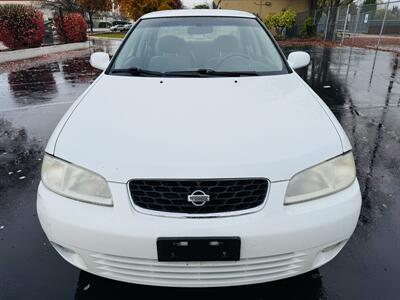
(193, 46)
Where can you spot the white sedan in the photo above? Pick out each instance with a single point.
(198, 158)
(118, 27)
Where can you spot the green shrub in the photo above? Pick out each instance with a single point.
(21, 26)
(308, 28)
(202, 6)
(282, 21)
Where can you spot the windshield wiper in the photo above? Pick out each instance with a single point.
(211, 72)
(137, 72)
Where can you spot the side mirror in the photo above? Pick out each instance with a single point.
(299, 59)
(99, 60)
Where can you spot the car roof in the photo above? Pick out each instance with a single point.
(198, 13)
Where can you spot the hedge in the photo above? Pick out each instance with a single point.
(21, 26)
(71, 27)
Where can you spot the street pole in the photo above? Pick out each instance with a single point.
(352, 42)
(383, 25)
(345, 24)
(336, 23)
(379, 41)
(356, 26)
(327, 23)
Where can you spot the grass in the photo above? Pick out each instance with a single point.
(118, 35)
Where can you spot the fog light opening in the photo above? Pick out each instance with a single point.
(70, 255)
(332, 247)
(328, 253)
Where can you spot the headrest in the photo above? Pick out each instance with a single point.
(170, 44)
(227, 43)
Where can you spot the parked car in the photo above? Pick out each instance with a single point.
(104, 25)
(119, 23)
(208, 161)
(118, 27)
(127, 27)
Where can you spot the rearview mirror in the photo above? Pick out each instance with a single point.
(99, 60)
(299, 59)
(200, 30)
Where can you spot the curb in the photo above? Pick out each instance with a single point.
(7, 56)
(105, 38)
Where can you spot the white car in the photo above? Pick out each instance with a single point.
(118, 27)
(127, 27)
(198, 158)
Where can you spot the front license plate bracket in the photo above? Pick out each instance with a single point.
(198, 249)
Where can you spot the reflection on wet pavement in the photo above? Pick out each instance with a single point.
(108, 46)
(20, 156)
(79, 70)
(34, 85)
(363, 94)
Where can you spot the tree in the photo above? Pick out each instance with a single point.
(202, 6)
(320, 5)
(136, 8)
(92, 6)
(280, 21)
(64, 5)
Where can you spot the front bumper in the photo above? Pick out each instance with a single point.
(277, 242)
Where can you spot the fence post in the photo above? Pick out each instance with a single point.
(383, 25)
(345, 24)
(356, 26)
(336, 23)
(327, 23)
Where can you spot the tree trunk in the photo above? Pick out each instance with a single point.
(313, 5)
(62, 30)
(91, 21)
(330, 36)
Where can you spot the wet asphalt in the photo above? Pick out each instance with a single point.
(361, 87)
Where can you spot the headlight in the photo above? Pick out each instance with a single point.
(74, 182)
(326, 178)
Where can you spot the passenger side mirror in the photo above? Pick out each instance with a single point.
(299, 59)
(99, 60)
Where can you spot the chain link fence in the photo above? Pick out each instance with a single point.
(373, 25)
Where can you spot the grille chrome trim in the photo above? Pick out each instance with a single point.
(194, 215)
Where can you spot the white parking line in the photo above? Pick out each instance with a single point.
(34, 106)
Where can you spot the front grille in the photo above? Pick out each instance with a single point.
(225, 195)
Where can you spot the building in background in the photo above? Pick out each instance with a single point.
(47, 13)
(262, 8)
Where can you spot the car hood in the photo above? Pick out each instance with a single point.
(146, 127)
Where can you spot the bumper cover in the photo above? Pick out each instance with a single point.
(277, 242)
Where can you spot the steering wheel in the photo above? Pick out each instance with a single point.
(230, 56)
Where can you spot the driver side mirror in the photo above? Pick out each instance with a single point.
(99, 60)
(299, 59)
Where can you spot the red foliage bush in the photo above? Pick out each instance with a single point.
(21, 26)
(71, 28)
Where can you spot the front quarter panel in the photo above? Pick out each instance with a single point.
(346, 145)
(51, 144)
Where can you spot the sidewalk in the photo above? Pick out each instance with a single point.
(7, 56)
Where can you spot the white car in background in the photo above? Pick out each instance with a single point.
(118, 27)
(127, 27)
(198, 158)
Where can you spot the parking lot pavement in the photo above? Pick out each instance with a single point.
(363, 94)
